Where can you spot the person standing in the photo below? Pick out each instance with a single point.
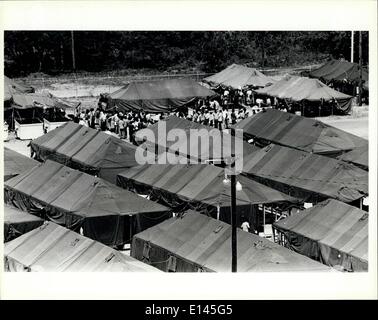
(121, 125)
(220, 119)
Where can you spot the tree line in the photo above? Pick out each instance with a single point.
(52, 52)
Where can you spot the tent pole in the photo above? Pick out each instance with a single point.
(131, 229)
(263, 215)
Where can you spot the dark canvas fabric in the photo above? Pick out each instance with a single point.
(331, 232)
(305, 89)
(309, 176)
(197, 243)
(201, 151)
(85, 149)
(340, 70)
(56, 249)
(158, 95)
(305, 134)
(236, 76)
(359, 156)
(199, 187)
(17, 222)
(16, 163)
(11, 87)
(72, 198)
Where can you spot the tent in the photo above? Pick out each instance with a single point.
(331, 232)
(105, 212)
(85, 149)
(286, 129)
(302, 89)
(340, 70)
(190, 147)
(17, 222)
(359, 156)
(52, 248)
(16, 163)
(197, 243)
(307, 176)
(236, 76)
(39, 100)
(11, 87)
(158, 95)
(199, 187)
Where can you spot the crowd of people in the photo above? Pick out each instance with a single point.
(221, 112)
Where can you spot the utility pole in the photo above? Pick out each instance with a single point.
(73, 51)
(360, 66)
(352, 48)
(233, 219)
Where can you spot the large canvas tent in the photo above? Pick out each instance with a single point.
(52, 248)
(206, 149)
(305, 90)
(11, 87)
(236, 76)
(308, 176)
(17, 222)
(197, 243)
(302, 133)
(85, 149)
(331, 232)
(16, 163)
(39, 100)
(158, 95)
(200, 187)
(77, 200)
(340, 70)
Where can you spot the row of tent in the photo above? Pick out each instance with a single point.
(289, 130)
(172, 94)
(300, 172)
(47, 199)
(77, 200)
(332, 232)
(309, 176)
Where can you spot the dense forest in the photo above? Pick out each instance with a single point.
(56, 52)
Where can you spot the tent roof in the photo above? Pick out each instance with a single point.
(55, 248)
(11, 87)
(14, 216)
(39, 100)
(87, 146)
(79, 193)
(16, 163)
(17, 222)
(358, 156)
(334, 224)
(203, 153)
(207, 242)
(236, 76)
(299, 132)
(307, 171)
(302, 88)
(340, 70)
(159, 95)
(201, 183)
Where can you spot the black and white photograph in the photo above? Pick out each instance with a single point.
(153, 151)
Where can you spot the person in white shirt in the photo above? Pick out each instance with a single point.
(245, 224)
